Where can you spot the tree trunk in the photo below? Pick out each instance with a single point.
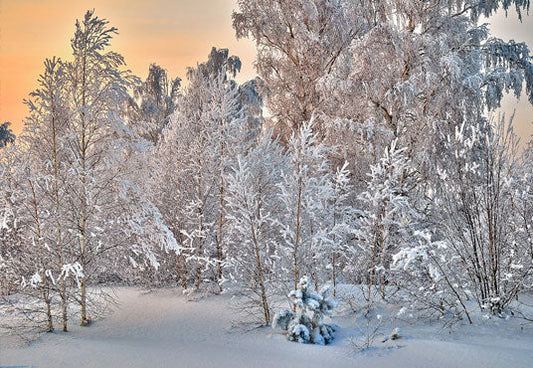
(260, 276)
(297, 236)
(44, 293)
(84, 321)
(220, 211)
(219, 240)
(333, 271)
(199, 252)
(63, 286)
(334, 251)
(382, 266)
(200, 230)
(372, 260)
(181, 266)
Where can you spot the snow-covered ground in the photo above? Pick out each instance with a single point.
(163, 329)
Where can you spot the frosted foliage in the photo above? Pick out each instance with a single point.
(374, 162)
(485, 187)
(81, 214)
(386, 221)
(214, 122)
(153, 102)
(475, 242)
(411, 70)
(306, 324)
(307, 189)
(253, 204)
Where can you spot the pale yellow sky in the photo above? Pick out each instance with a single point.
(173, 33)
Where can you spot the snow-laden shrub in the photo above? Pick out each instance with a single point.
(306, 323)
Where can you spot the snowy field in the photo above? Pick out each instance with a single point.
(163, 329)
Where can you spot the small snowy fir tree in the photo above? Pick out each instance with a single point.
(306, 323)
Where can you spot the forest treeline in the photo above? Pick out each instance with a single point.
(364, 153)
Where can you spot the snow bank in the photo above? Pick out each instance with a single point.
(163, 329)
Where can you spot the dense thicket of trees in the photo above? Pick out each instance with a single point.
(376, 163)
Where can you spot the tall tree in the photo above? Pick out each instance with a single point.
(107, 207)
(298, 43)
(305, 190)
(45, 137)
(387, 218)
(370, 72)
(153, 102)
(254, 207)
(207, 130)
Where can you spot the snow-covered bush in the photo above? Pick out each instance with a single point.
(473, 245)
(306, 323)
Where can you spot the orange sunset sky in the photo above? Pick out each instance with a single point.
(172, 33)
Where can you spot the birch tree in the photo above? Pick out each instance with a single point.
(26, 260)
(46, 140)
(203, 136)
(474, 245)
(369, 73)
(101, 147)
(152, 103)
(386, 219)
(304, 192)
(253, 255)
(479, 197)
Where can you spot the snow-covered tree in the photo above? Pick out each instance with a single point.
(374, 164)
(153, 102)
(27, 262)
(343, 217)
(10, 230)
(478, 196)
(430, 282)
(98, 91)
(46, 130)
(298, 42)
(253, 209)
(78, 215)
(306, 323)
(319, 217)
(251, 103)
(305, 193)
(206, 131)
(386, 219)
(475, 244)
(370, 74)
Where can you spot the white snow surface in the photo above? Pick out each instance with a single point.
(163, 329)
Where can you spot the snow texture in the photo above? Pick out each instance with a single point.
(162, 329)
